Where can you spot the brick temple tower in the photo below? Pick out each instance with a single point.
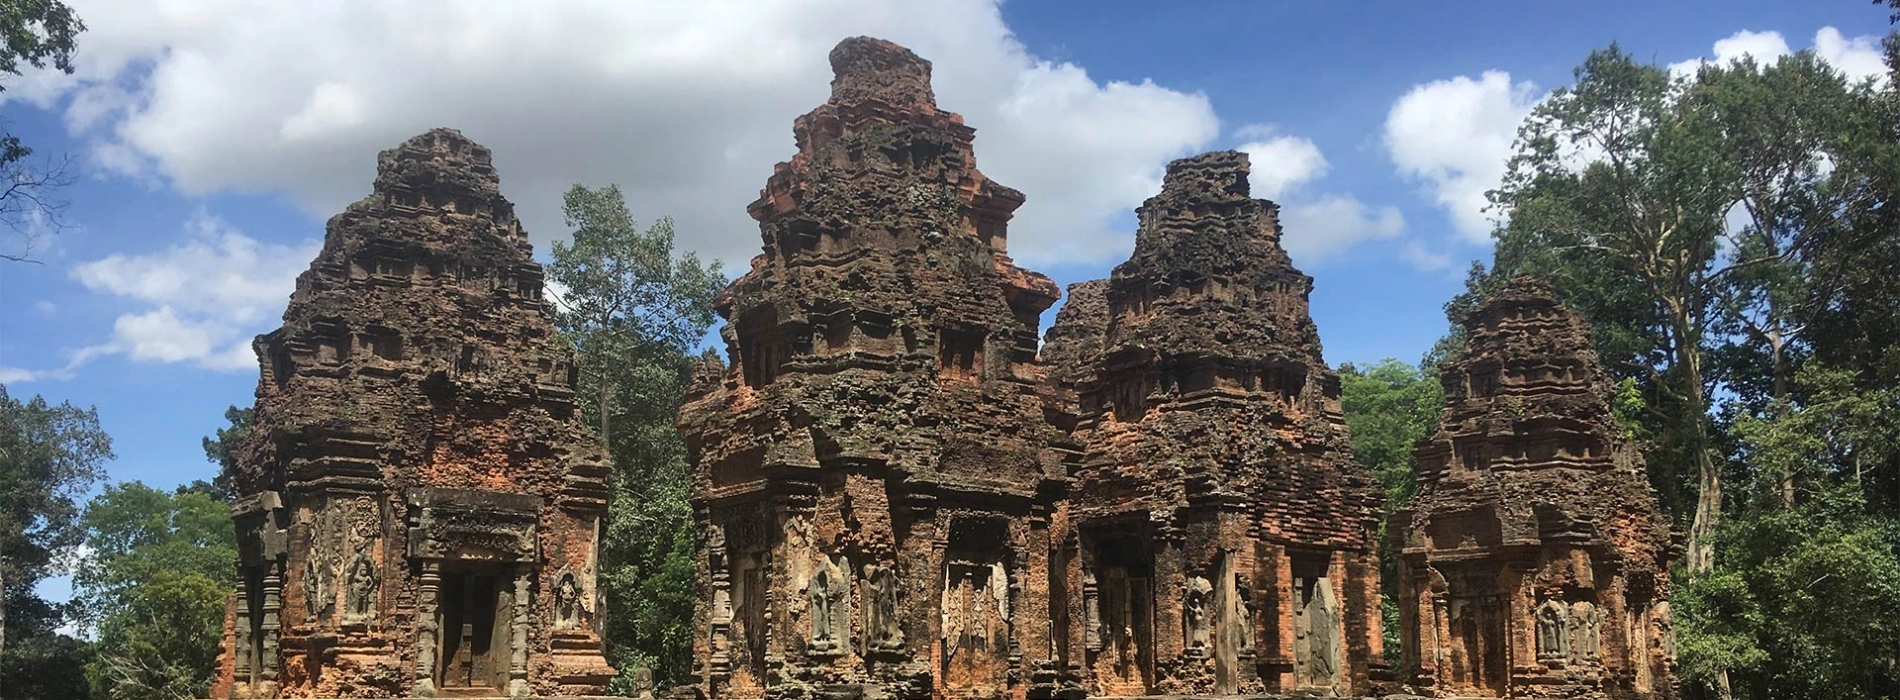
(418, 503)
(872, 479)
(1222, 540)
(1535, 561)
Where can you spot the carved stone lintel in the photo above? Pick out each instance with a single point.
(488, 525)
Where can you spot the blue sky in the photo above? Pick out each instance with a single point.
(210, 142)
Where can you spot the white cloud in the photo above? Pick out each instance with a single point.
(1423, 258)
(1764, 47)
(20, 375)
(1455, 135)
(1316, 228)
(685, 105)
(1319, 230)
(200, 301)
(1858, 57)
(1280, 163)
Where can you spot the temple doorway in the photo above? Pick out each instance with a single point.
(748, 619)
(1124, 613)
(1316, 626)
(1477, 650)
(1232, 627)
(976, 630)
(975, 606)
(475, 616)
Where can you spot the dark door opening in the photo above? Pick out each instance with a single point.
(1125, 580)
(1128, 605)
(475, 652)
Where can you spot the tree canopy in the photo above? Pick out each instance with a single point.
(635, 311)
(32, 33)
(1729, 237)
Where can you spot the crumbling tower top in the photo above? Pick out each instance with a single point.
(865, 68)
(1213, 176)
(438, 160)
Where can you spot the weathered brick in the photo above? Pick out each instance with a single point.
(1535, 561)
(418, 500)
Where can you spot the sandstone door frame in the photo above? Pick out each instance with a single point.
(452, 531)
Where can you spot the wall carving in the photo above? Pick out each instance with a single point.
(1553, 631)
(1197, 628)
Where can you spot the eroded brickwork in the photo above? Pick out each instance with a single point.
(1535, 558)
(873, 481)
(418, 503)
(898, 496)
(1221, 538)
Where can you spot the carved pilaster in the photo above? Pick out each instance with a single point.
(1093, 634)
(428, 627)
(273, 608)
(518, 637)
(719, 562)
(242, 650)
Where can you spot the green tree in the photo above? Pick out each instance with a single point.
(218, 452)
(45, 665)
(153, 585)
(1724, 234)
(1805, 604)
(1774, 619)
(1857, 330)
(635, 312)
(35, 32)
(49, 455)
(1389, 407)
(1785, 130)
(1618, 194)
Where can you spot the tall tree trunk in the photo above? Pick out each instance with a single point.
(602, 382)
(3, 608)
(1776, 354)
(1708, 505)
(606, 404)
